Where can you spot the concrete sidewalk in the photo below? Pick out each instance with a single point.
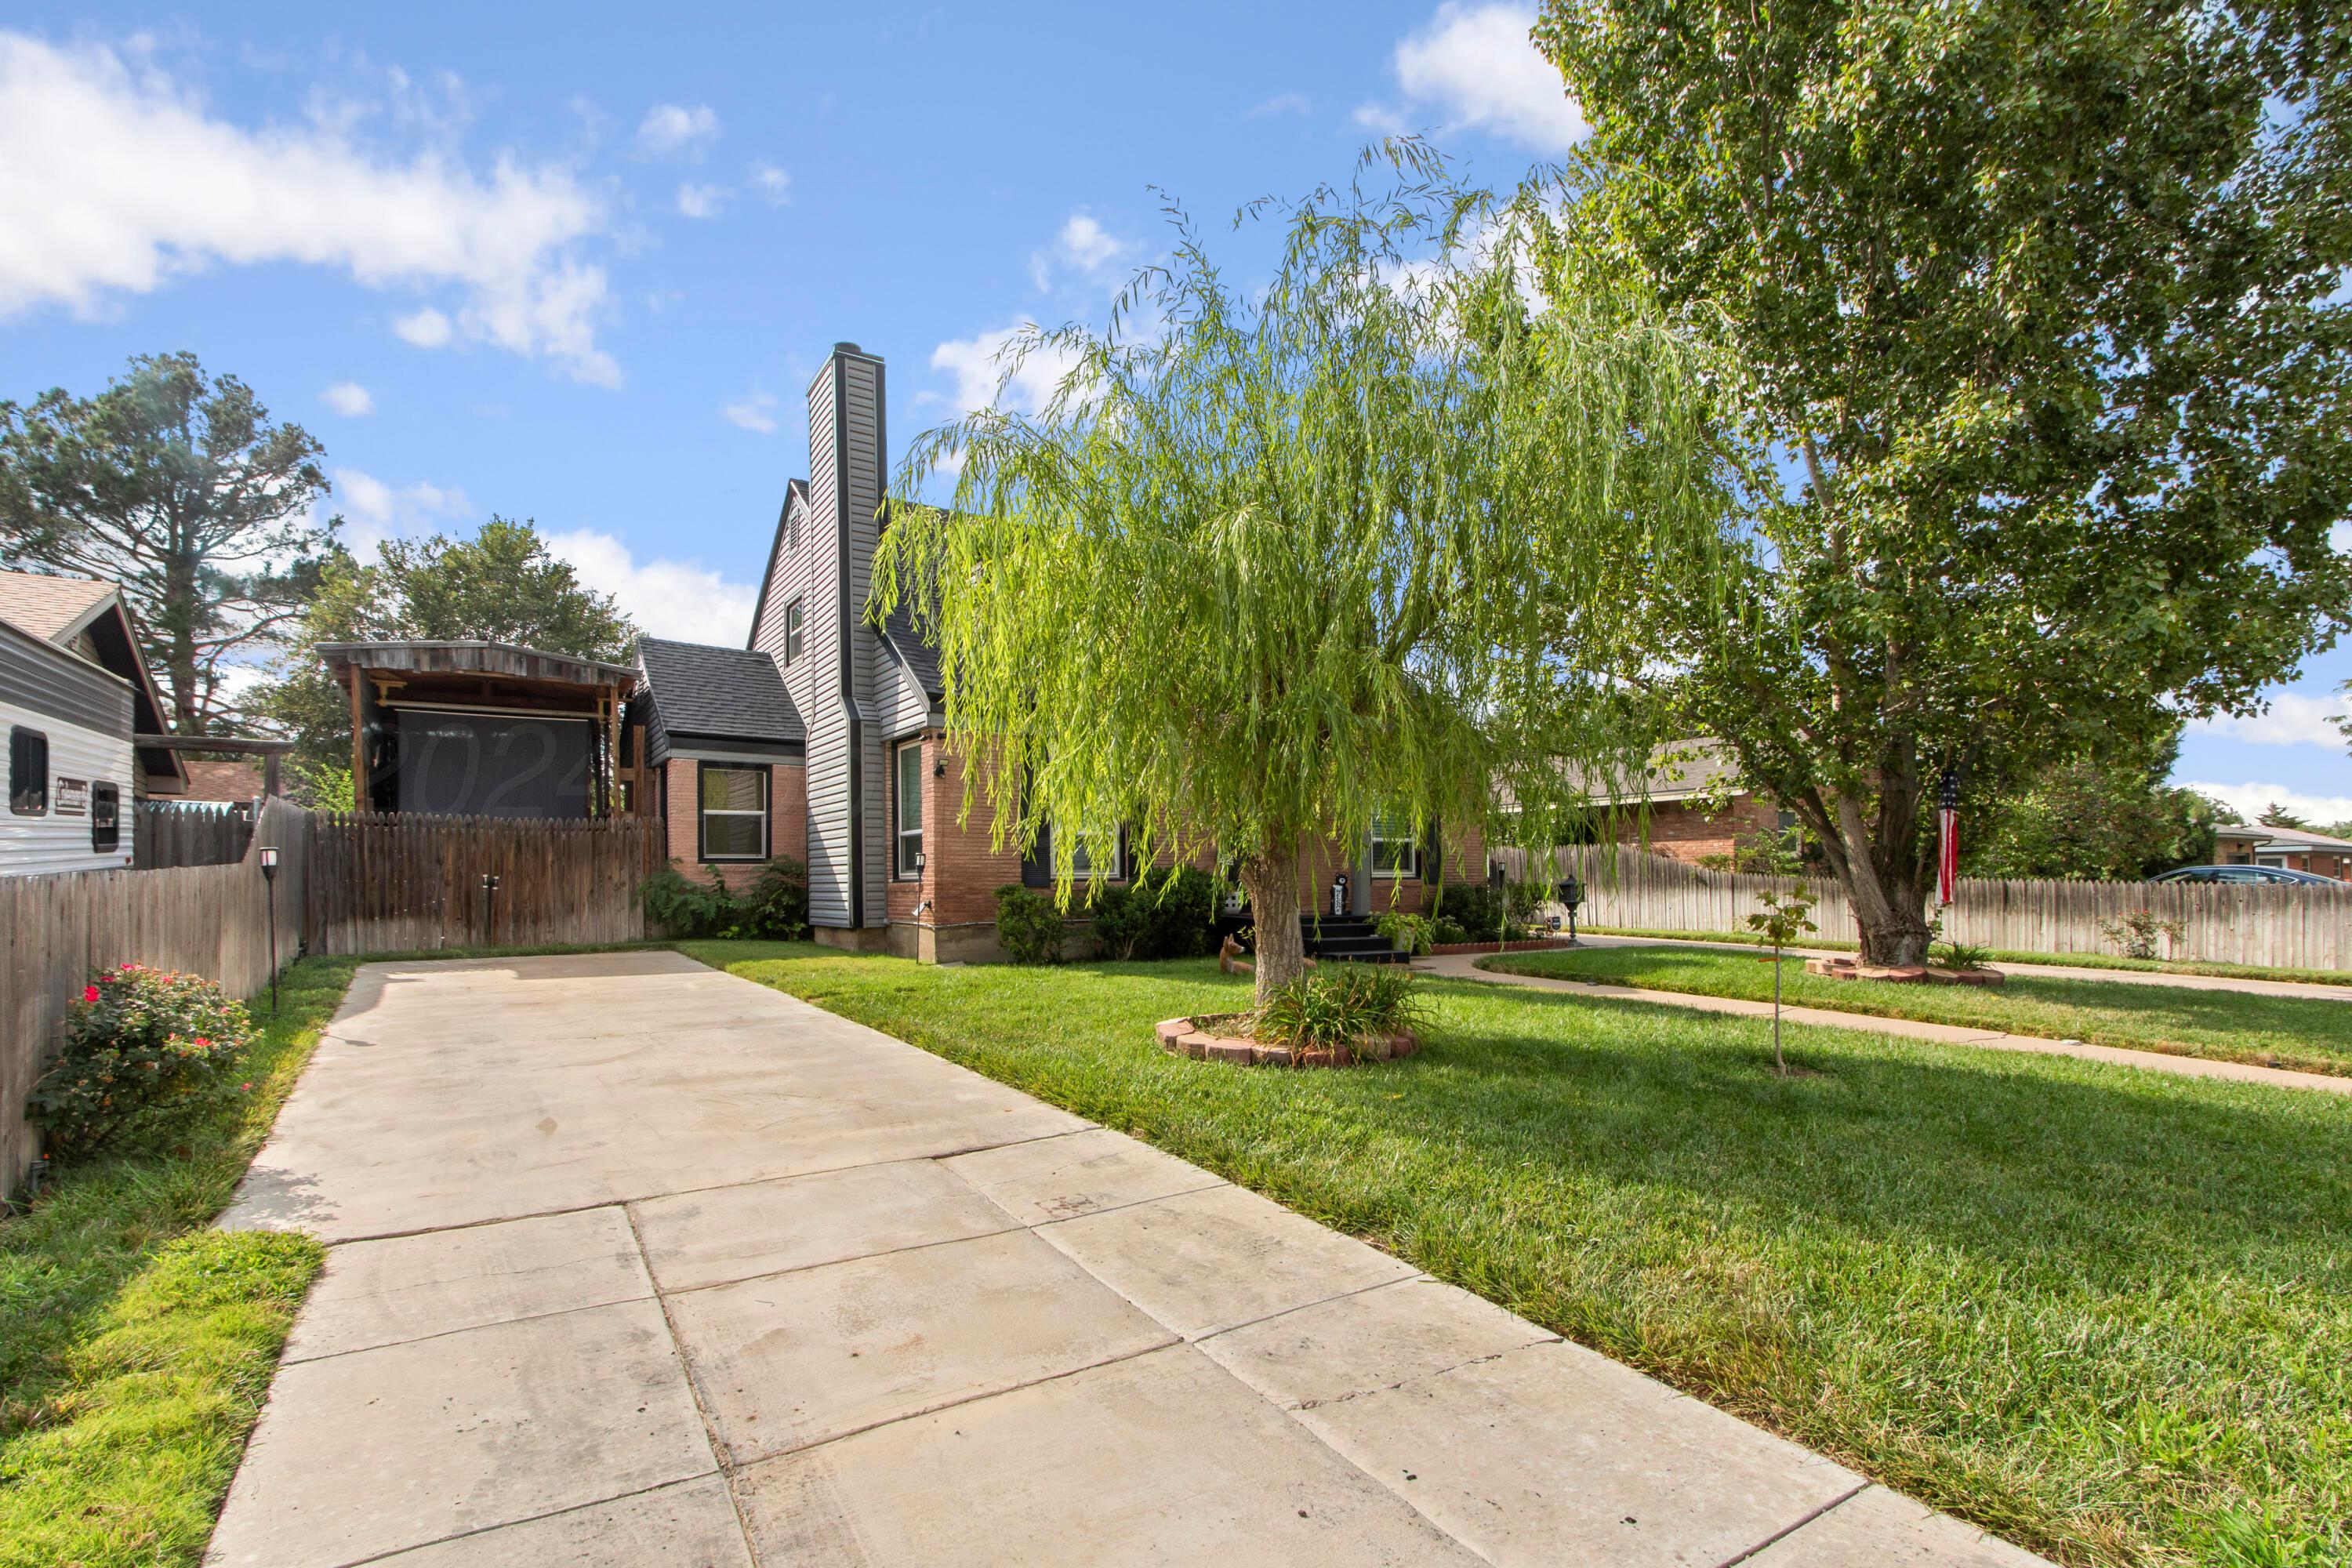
(1464, 966)
(2299, 988)
(635, 1262)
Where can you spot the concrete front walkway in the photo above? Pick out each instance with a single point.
(2251, 987)
(635, 1262)
(1464, 966)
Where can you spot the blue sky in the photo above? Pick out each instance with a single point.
(580, 269)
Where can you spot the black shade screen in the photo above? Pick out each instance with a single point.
(488, 765)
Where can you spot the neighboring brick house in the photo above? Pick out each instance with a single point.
(2290, 849)
(1690, 805)
(840, 723)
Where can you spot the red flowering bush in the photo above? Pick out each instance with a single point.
(142, 1049)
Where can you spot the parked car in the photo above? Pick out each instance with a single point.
(2247, 874)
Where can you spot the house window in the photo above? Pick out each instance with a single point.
(910, 809)
(734, 812)
(28, 771)
(792, 631)
(105, 819)
(1085, 865)
(1395, 851)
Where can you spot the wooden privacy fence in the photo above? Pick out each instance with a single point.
(402, 883)
(166, 834)
(2295, 927)
(212, 920)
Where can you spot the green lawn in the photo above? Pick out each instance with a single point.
(2309, 1033)
(137, 1343)
(2106, 1313)
(2058, 960)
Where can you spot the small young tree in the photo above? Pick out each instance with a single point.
(1285, 565)
(1783, 917)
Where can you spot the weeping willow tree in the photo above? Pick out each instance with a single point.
(1272, 564)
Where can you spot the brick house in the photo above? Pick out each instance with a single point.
(1690, 805)
(824, 738)
(2290, 849)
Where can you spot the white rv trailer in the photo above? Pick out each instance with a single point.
(68, 727)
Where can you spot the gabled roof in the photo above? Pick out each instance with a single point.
(2281, 837)
(919, 656)
(55, 609)
(59, 610)
(1681, 770)
(727, 693)
(794, 490)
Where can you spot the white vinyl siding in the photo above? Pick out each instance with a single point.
(58, 836)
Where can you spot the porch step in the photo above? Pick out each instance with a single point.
(1348, 939)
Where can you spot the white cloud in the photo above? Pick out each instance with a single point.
(1083, 245)
(753, 410)
(350, 399)
(775, 186)
(699, 201)
(1282, 103)
(670, 128)
(1474, 65)
(979, 366)
(667, 599)
(427, 328)
(117, 179)
(366, 498)
(2251, 800)
(2291, 719)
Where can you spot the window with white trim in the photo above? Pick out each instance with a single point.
(1396, 853)
(1086, 865)
(792, 631)
(734, 811)
(910, 809)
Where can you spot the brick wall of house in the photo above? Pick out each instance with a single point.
(787, 817)
(1684, 831)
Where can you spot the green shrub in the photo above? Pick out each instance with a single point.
(774, 909)
(144, 1049)
(1961, 955)
(1444, 930)
(1410, 933)
(1339, 1005)
(1028, 925)
(1485, 913)
(1167, 912)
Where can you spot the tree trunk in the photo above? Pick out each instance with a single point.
(1880, 866)
(1270, 877)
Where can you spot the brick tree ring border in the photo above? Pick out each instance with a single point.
(1203, 1039)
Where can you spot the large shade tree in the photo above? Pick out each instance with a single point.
(502, 584)
(178, 488)
(1281, 563)
(2040, 310)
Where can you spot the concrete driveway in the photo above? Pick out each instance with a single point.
(635, 1262)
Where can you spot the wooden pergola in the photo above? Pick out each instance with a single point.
(485, 678)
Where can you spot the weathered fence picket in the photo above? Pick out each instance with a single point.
(209, 920)
(406, 883)
(2307, 927)
(165, 834)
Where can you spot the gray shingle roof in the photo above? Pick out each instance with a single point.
(920, 656)
(733, 692)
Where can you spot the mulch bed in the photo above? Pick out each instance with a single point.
(1215, 1037)
(1901, 975)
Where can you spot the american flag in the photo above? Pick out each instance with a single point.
(1947, 819)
